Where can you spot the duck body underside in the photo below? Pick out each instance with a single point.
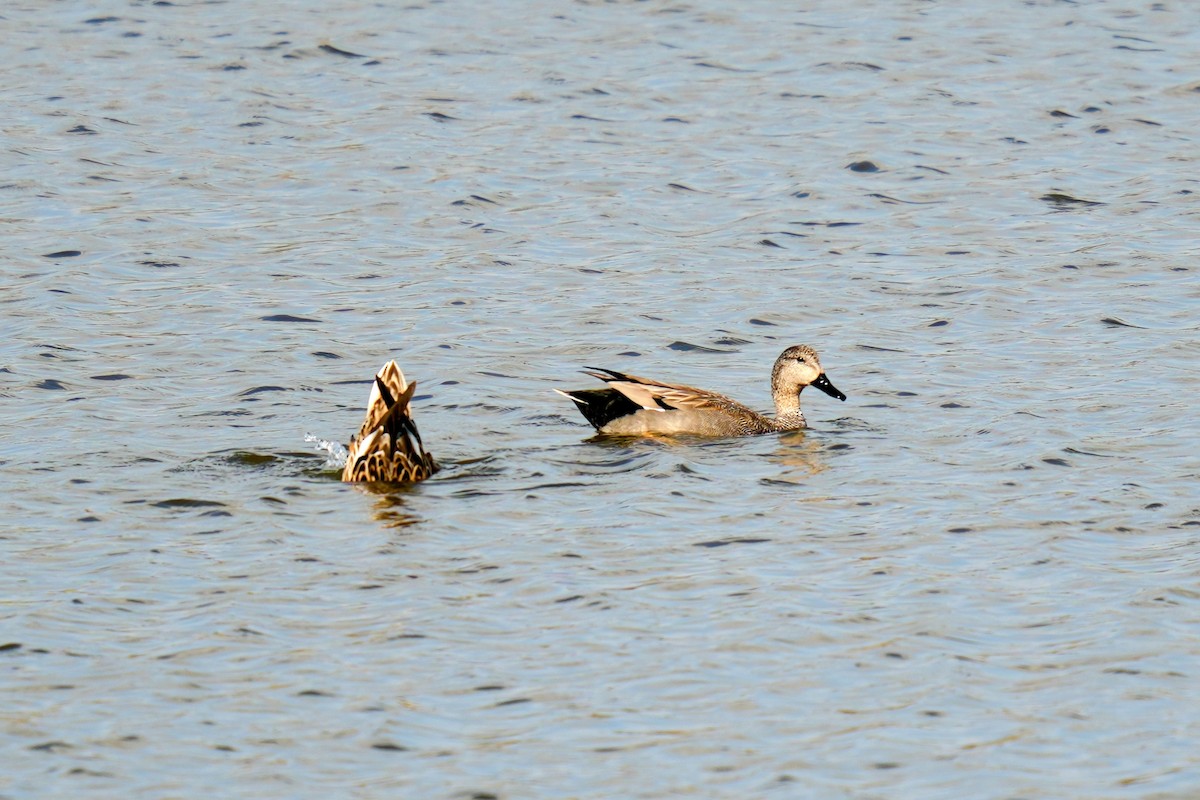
(679, 423)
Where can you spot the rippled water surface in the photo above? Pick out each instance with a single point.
(977, 577)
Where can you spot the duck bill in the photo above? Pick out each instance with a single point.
(828, 388)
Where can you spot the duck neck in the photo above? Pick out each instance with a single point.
(788, 416)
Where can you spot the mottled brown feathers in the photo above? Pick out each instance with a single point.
(388, 448)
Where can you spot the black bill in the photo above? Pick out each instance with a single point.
(828, 388)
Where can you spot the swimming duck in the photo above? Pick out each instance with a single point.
(388, 447)
(634, 406)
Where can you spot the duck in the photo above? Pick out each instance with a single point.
(635, 406)
(388, 448)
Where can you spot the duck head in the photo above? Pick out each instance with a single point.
(798, 367)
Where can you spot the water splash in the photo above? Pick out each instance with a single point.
(336, 454)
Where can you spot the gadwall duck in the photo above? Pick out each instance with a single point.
(634, 406)
(388, 447)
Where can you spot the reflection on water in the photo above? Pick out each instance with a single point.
(977, 571)
(799, 455)
(390, 504)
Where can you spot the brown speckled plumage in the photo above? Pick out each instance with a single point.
(388, 447)
(635, 406)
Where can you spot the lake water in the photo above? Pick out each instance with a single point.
(978, 577)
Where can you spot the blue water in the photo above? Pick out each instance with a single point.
(976, 577)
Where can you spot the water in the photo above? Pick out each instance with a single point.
(977, 576)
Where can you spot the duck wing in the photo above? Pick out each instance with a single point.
(654, 395)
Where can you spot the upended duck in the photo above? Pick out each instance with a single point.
(634, 406)
(388, 447)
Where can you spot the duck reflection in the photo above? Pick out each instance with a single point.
(390, 500)
(800, 454)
